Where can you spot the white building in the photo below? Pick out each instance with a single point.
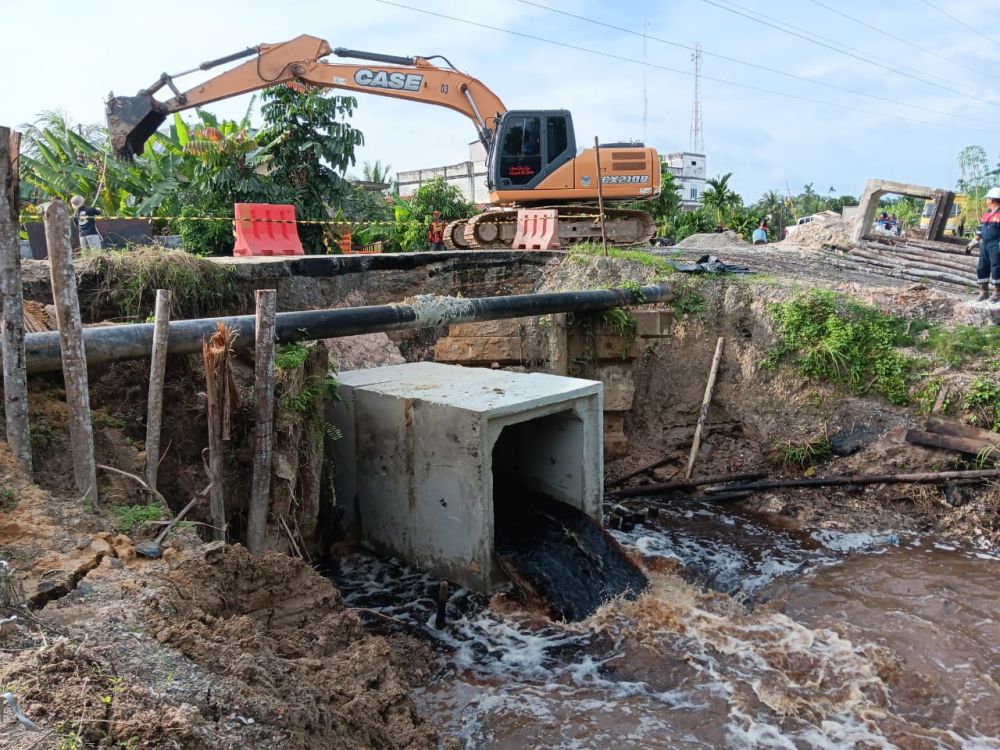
(468, 176)
(689, 171)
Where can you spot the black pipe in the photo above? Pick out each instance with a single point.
(111, 343)
(374, 57)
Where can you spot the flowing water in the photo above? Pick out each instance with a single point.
(765, 638)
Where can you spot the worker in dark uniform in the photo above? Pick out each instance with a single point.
(85, 217)
(988, 239)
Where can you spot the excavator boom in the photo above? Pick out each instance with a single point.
(133, 119)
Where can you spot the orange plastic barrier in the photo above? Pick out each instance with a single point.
(537, 229)
(266, 229)
(345, 243)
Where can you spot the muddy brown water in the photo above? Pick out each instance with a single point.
(767, 638)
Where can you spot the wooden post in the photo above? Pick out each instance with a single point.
(703, 414)
(218, 386)
(74, 358)
(600, 195)
(15, 379)
(260, 488)
(157, 368)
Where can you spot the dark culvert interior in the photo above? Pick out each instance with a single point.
(552, 551)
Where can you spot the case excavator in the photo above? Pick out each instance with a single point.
(532, 154)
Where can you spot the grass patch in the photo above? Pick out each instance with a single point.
(129, 516)
(8, 498)
(130, 278)
(802, 455)
(959, 345)
(828, 337)
(642, 257)
(307, 398)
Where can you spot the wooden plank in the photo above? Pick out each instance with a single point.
(157, 371)
(15, 378)
(74, 357)
(260, 488)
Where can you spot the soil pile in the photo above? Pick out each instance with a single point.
(280, 635)
(818, 234)
(712, 240)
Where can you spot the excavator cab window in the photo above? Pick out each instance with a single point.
(531, 145)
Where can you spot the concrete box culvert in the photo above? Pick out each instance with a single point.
(426, 448)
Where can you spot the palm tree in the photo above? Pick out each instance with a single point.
(375, 172)
(721, 198)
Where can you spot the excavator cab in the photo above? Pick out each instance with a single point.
(528, 146)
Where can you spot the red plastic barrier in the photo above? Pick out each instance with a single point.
(266, 229)
(537, 229)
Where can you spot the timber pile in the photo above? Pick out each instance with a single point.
(908, 260)
(949, 434)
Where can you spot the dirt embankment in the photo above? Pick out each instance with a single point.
(208, 648)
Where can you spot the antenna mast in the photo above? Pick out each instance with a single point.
(697, 139)
(645, 90)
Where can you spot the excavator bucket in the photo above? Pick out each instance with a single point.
(131, 121)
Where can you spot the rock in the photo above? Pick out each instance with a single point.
(149, 549)
(101, 547)
(83, 588)
(171, 555)
(115, 563)
(853, 437)
(83, 543)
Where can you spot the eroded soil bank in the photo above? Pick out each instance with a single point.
(208, 647)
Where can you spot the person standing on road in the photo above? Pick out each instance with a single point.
(435, 232)
(85, 217)
(988, 239)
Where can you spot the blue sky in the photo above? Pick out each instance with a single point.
(902, 116)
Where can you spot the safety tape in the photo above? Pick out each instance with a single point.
(35, 218)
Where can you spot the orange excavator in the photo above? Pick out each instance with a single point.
(532, 154)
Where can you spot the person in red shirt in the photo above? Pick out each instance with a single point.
(435, 232)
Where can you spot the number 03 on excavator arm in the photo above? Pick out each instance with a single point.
(532, 154)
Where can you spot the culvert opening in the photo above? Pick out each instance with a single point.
(551, 550)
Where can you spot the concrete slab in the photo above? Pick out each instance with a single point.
(425, 445)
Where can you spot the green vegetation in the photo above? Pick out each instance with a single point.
(129, 516)
(802, 455)
(586, 249)
(308, 397)
(290, 356)
(688, 303)
(8, 498)
(959, 345)
(828, 337)
(41, 434)
(982, 403)
(130, 280)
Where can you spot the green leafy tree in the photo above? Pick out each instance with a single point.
(308, 145)
(413, 214)
(377, 173)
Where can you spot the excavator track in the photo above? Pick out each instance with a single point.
(454, 235)
(495, 229)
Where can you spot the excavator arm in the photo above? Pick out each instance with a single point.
(133, 119)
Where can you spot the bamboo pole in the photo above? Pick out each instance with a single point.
(600, 195)
(703, 414)
(15, 379)
(260, 489)
(157, 370)
(74, 357)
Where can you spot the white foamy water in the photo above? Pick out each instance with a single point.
(683, 666)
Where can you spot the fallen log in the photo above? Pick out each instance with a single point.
(932, 477)
(970, 446)
(685, 484)
(945, 426)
